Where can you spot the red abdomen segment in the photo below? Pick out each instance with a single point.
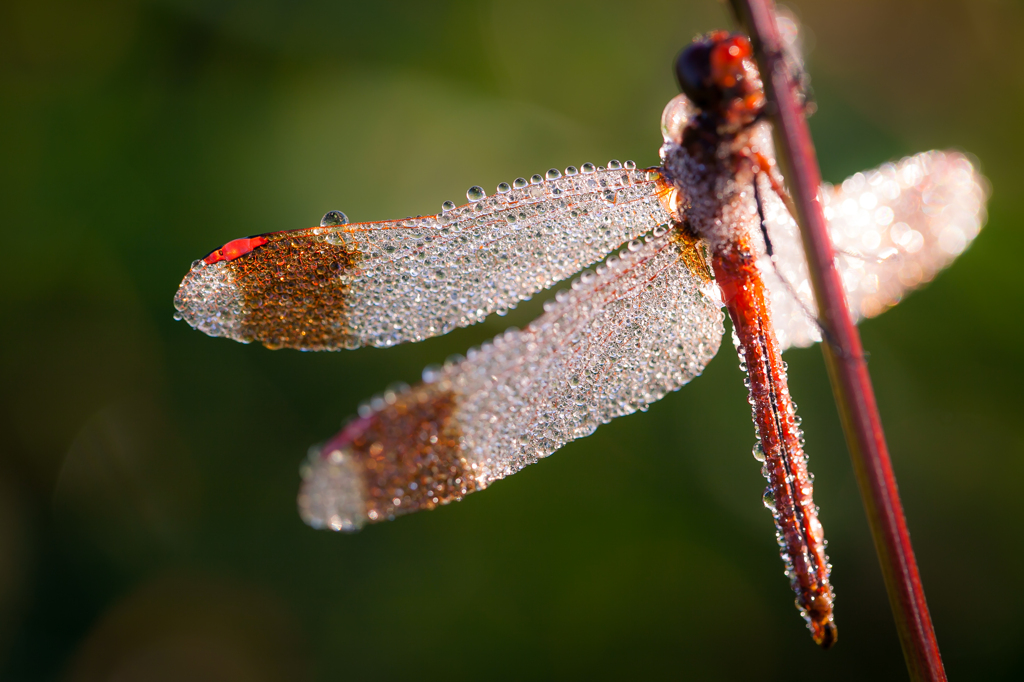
(788, 496)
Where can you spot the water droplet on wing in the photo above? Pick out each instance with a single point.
(332, 218)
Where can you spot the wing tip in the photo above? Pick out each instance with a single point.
(401, 457)
(331, 495)
(209, 300)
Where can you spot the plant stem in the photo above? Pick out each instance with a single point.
(844, 355)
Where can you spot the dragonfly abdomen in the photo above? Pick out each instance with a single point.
(789, 492)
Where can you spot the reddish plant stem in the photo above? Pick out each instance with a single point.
(843, 352)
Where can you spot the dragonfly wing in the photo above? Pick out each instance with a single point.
(643, 324)
(894, 229)
(383, 283)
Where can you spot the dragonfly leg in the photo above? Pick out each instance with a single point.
(762, 165)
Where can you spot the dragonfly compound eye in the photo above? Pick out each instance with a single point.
(728, 61)
(717, 72)
(693, 71)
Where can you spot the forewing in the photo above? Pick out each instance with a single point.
(644, 324)
(894, 228)
(382, 283)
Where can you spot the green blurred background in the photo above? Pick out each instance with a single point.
(148, 474)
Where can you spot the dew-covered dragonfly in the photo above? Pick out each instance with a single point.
(707, 229)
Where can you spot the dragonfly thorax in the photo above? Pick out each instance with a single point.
(711, 133)
(714, 182)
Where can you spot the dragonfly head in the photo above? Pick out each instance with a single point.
(718, 74)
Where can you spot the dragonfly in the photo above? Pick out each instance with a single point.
(673, 245)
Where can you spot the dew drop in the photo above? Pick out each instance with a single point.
(504, 188)
(587, 168)
(571, 170)
(769, 500)
(629, 165)
(332, 218)
(431, 373)
(553, 174)
(475, 193)
(519, 183)
(536, 179)
(614, 165)
(758, 452)
(447, 206)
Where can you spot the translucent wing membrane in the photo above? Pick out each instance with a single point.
(894, 228)
(641, 325)
(351, 285)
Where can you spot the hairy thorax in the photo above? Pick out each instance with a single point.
(714, 179)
